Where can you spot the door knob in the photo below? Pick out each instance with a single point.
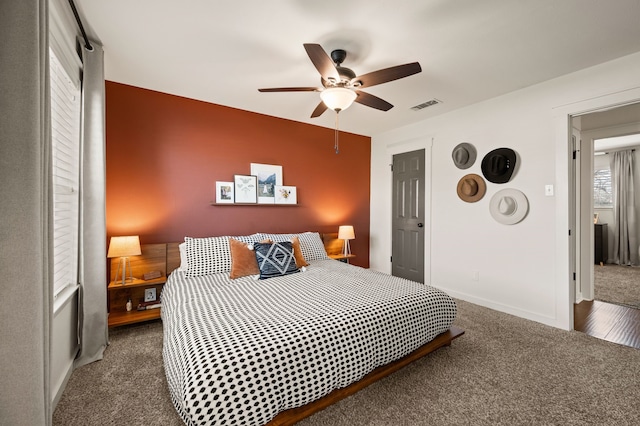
(420, 225)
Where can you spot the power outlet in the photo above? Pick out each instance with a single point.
(149, 294)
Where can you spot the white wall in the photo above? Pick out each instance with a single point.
(524, 268)
(64, 341)
(605, 215)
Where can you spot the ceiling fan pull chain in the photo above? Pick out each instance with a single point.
(335, 144)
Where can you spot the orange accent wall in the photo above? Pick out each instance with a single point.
(165, 154)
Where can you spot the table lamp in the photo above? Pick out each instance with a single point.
(123, 247)
(346, 233)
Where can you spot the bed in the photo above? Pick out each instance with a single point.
(253, 351)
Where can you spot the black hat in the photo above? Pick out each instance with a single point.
(498, 165)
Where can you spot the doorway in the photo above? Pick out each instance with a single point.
(594, 131)
(595, 247)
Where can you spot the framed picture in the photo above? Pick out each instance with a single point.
(268, 177)
(286, 195)
(245, 188)
(224, 192)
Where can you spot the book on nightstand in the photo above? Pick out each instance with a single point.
(149, 305)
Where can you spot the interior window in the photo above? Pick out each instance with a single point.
(602, 195)
(65, 135)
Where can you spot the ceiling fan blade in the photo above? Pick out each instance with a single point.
(372, 101)
(290, 89)
(322, 61)
(388, 74)
(319, 110)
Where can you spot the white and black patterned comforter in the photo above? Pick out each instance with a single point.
(241, 351)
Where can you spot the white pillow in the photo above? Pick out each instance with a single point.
(211, 255)
(184, 265)
(311, 244)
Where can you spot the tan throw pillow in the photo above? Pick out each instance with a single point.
(297, 253)
(243, 260)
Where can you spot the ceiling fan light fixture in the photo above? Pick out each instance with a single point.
(338, 98)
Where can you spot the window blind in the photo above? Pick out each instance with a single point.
(65, 135)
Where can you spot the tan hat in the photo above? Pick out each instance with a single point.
(509, 206)
(471, 188)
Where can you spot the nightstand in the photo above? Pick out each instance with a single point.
(601, 242)
(134, 290)
(342, 257)
(153, 258)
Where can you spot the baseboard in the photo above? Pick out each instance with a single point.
(507, 309)
(57, 393)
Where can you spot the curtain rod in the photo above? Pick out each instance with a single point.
(621, 149)
(87, 44)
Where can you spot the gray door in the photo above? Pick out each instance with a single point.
(407, 245)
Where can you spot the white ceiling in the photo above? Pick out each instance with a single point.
(469, 50)
(617, 142)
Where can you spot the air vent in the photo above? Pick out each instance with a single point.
(426, 104)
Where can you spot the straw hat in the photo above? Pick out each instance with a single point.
(471, 188)
(464, 155)
(498, 165)
(509, 206)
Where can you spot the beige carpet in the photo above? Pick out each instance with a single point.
(503, 371)
(617, 284)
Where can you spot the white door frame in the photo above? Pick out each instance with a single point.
(402, 147)
(565, 289)
(575, 245)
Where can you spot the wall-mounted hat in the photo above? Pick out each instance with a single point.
(509, 206)
(464, 155)
(498, 165)
(471, 188)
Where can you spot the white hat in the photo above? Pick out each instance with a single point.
(509, 206)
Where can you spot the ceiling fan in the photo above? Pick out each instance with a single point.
(340, 85)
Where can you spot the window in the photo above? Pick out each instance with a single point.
(602, 194)
(65, 135)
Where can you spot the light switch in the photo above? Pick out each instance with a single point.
(548, 190)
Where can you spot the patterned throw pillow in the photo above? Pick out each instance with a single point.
(276, 259)
(211, 255)
(311, 244)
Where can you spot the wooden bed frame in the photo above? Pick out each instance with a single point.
(294, 415)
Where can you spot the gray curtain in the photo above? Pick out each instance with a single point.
(92, 311)
(625, 234)
(25, 158)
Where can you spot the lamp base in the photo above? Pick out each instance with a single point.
(347, 248)
(125, 266)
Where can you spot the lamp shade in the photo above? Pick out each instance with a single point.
(346, 232)
(124, 246)
(338, 98)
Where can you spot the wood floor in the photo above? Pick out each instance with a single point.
(614, 323)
